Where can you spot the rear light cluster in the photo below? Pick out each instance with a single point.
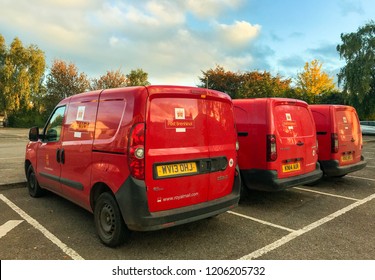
(271, 147)
(334, 143)
(136, 151)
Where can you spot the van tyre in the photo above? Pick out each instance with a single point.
(32, 183)
(109, 223)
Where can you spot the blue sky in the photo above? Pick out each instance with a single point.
(174, 40)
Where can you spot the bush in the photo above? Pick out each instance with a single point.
(26, 119)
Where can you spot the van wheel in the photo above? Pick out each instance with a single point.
(109, 223)
(32, 183)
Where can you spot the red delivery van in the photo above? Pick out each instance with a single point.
(340, 139)
(277, 143)
(139, 158)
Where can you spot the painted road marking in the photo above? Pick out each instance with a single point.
(261, 221)
(8, 226)
(278, 243)
(363, 178)
(67, 250)
(327, 194)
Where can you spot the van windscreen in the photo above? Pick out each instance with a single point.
(293, 121)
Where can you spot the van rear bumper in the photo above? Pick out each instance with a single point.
(266, 180)
(132, 200)
(331, 168)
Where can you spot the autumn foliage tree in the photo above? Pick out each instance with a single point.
(137, 77)
(112, 79)
(21, 72)
(221, 80)
(63, 80)
(312, 81)
(262, 84)
(244, 84)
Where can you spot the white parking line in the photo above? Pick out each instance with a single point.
(8, 226)
(327, 194)
(261, 221)
(278, 243)
(67, 250)
(370, 166)
(363, 178)
(12, 158)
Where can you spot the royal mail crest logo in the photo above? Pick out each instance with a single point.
(179, 113)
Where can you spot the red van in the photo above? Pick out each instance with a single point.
(340, 139)
(277, 143)
(139, 158)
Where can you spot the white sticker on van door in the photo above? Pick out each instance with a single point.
(80, 113)
(344, 119)
(288, 117)
(77, 134)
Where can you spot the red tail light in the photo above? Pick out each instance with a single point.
(334, 143)
(136, 151)
(271, 148)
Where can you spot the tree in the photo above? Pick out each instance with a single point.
(221, 80)
(313, 81)
(244, 84)
(21, 72)
(262, 84)
(64, 80)
(358, 75)
(3, 50)
(137, 78)
(113, 79)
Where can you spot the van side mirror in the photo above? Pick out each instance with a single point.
(34, 133)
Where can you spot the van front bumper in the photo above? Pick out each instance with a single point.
(132, 201)
(266, 180)
(331, 168)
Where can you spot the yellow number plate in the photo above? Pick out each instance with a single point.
(347, 157)
(176, 169)
(291, 167)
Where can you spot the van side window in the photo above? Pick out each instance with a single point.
(53, 127)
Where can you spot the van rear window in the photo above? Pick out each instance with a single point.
(176, 122)
(346, 122)
(293, 121)
(189, 122)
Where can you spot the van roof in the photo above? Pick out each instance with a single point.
(335, 106)
(157, 89)
(271, 99)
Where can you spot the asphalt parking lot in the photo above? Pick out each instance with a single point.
(331, 220)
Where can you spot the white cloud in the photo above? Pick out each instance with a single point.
(239, 33)
(153, 35)
(211, 8)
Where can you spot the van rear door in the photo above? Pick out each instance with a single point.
(187, 148)
(349, 135)
(296, 146)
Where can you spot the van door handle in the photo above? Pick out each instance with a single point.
(299, 143)
(58, 155)
(353, 140)
(205, 165)
(62, 156)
